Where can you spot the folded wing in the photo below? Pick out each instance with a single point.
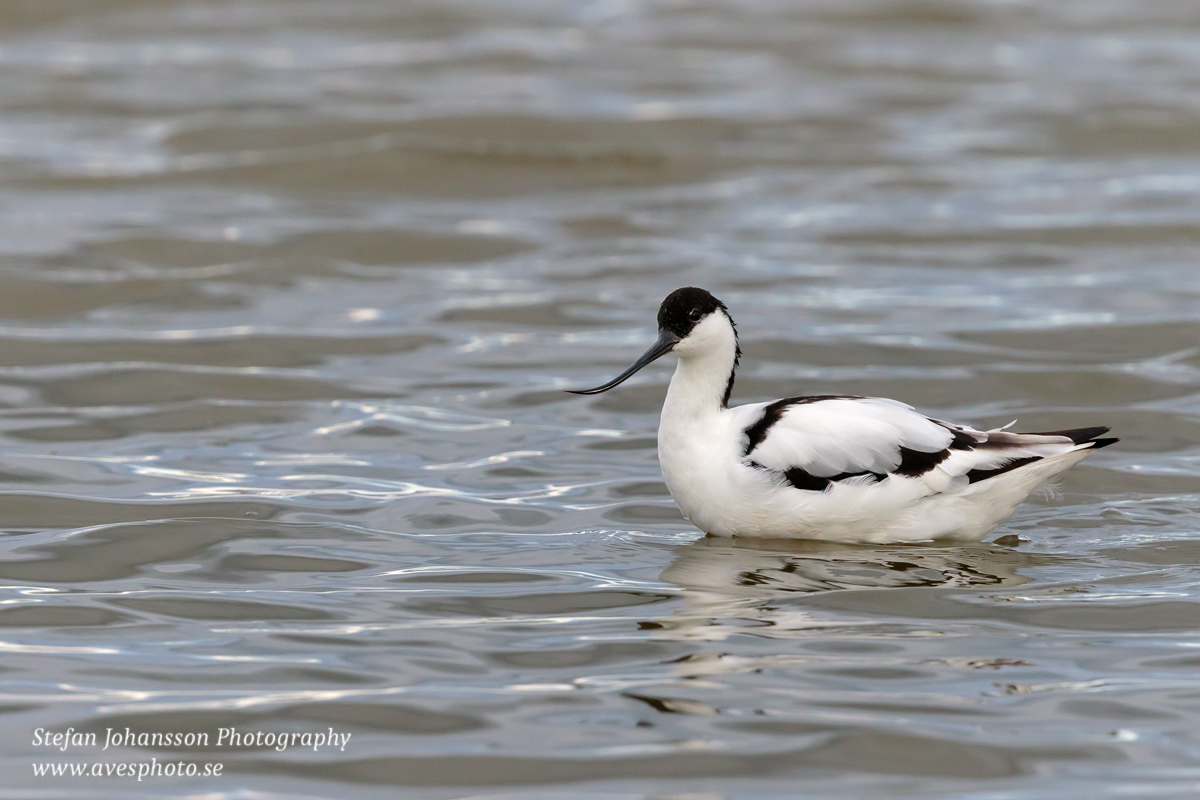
(815, 442)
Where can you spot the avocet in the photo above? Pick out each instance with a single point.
(834, 467)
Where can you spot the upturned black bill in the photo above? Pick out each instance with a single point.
(666, 342)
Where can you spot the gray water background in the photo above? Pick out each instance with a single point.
(290, 291)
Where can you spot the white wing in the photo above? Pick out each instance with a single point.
(841, 435)
(813, 441)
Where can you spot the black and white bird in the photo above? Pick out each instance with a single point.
(834, 467)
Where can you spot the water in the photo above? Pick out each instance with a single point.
(291, 291)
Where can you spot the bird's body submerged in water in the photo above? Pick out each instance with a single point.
(834, 467)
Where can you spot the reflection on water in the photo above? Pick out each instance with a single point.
(731, 585)
(291, 291)
(759, 568)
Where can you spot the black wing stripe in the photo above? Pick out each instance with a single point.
(914, 463)
(976, 475)
(773, 412)
(801, 479)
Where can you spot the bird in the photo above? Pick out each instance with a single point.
(842, 468)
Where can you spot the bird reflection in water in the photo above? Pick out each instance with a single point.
(730, 586)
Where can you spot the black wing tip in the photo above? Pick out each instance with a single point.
(1080, 435)
(976, 475)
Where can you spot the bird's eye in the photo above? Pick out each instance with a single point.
(694, 315)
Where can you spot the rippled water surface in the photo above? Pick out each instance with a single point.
(290, 293)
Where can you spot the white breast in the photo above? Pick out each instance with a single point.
(701, 465)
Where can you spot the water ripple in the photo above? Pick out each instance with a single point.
(292, 291)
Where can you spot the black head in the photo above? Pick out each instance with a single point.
(685, 308)
(678, 315)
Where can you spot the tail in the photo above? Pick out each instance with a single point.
(983, 455)
(994, 471)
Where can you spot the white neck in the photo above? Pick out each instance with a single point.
(706, 360)
(692, 432)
